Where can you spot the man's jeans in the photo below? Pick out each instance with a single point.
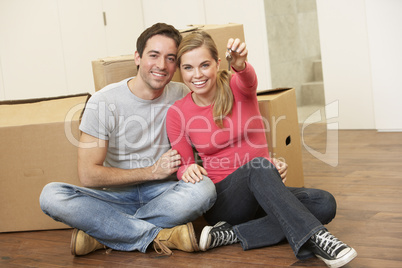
(128, 218)
(288, 213)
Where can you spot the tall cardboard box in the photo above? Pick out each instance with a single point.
(114, 69)
(38, 145)
(279, 111)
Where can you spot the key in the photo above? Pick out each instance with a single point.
(229, 58)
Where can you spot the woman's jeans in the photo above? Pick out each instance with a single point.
(263, 211)
(128, 218)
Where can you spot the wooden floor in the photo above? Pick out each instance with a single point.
(367, 183)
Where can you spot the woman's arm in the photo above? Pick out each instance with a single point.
(179, 140)
(244, 79)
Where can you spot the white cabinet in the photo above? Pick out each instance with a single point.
(2, 97)
(83, 39)
(31, 52)
(178, 13)
(124, 23)
(46, 46)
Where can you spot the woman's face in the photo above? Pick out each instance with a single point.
(199, 71)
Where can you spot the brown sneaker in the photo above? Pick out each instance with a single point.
(181, 237)
(82, 243)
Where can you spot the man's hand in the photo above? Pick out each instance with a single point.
(166, 165)
(194, 173)
(282, 168)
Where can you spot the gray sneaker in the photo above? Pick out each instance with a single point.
(220, 234)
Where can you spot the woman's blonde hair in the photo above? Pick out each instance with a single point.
(223, 99)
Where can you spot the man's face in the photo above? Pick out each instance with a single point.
(158, 62)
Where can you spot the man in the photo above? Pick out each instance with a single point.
(128, 200)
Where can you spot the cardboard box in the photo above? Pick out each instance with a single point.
(114, 69)
(38, 145)
(279, 111)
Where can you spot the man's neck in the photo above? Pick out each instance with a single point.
(142, 91)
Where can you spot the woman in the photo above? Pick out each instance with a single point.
(220, 118)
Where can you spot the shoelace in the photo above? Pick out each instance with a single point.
(222, 238)
(327, 241)
(163, 248)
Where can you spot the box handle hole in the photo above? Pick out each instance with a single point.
(288, 140)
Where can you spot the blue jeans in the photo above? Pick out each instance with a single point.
(264, 212)
(128, 218)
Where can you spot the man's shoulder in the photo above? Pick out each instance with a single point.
(110, 91)
(177, 89)
(182, 102)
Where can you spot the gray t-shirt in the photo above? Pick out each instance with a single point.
(135, 128)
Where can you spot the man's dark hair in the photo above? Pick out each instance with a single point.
(157, 29)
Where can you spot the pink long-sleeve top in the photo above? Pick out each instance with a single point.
(222, 150)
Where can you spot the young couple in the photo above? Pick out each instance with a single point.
(129, 204)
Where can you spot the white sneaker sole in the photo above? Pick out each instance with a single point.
(341, 261)
(205, 241)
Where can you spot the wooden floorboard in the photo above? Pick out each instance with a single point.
(367, 183)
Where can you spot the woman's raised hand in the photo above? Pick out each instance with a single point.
(238, 51)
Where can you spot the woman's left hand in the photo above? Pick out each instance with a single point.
(194, 173)
(238, 51)
(282, 168)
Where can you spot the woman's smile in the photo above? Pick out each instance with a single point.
(199, 72)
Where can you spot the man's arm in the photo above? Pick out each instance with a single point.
(91, 172)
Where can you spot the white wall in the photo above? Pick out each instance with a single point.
(346, 61)
(384, 23)
(362, 61)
